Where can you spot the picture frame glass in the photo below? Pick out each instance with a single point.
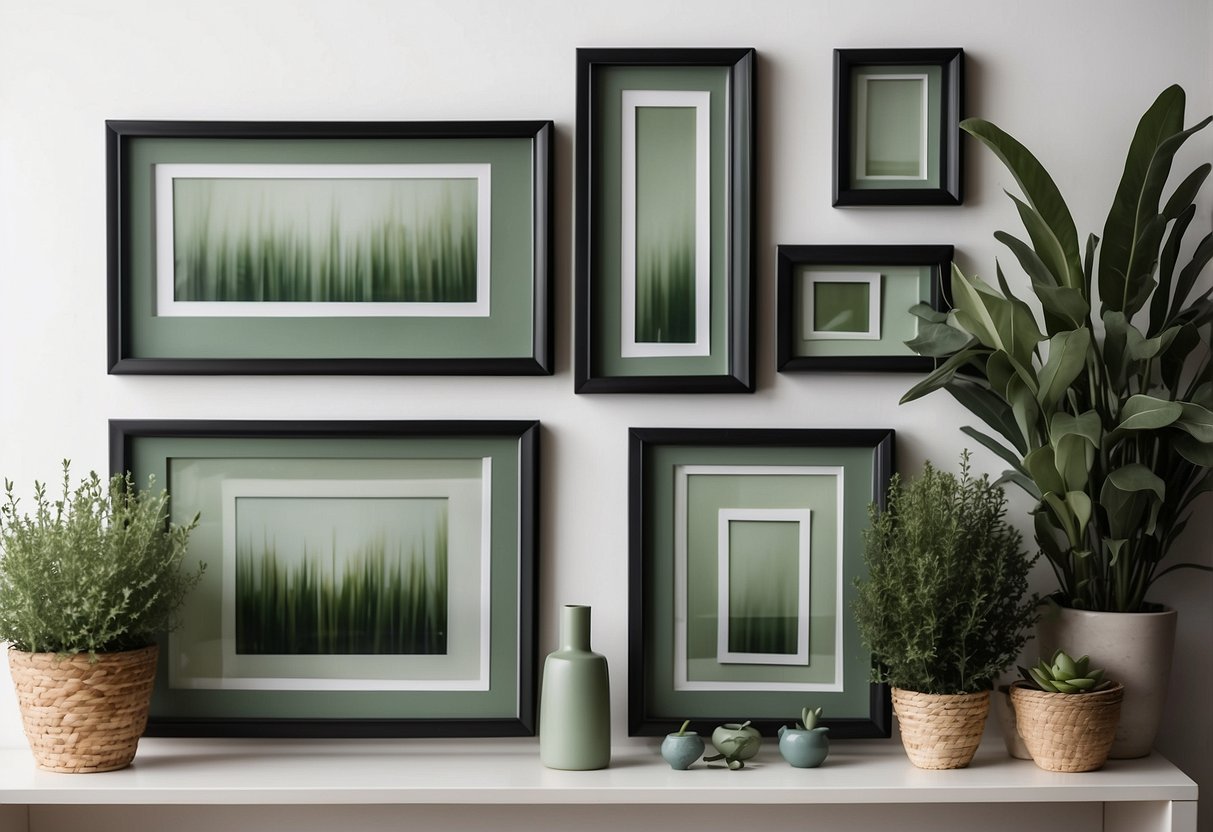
(895, 126)
(744, 577)
(857, 310)
(348, 578)
(662, 138)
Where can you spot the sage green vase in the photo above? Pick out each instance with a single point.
(575, 701)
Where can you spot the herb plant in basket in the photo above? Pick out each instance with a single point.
(943, 608)
(87, 583)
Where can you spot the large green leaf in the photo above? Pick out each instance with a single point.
(1175, 354)
(1002, 451)
(1166, 269)
(1185, 193)
(1130, 207)
(1064, 308)
(1025, 410)
(1067, 357)
(995, 321)
(1041, 464)
(1041, 192)
(1143, 412)
(990, 408)
(1193, 450)
(1139, 281)
(1074, 457)
(1048, 248)
(942, 375)
(1080, 504)
(1064, 516)
(1189, 273)
(1087, 425)
(1137, 477)
(1197, 421)
(1115, 346)
(929, 313)
(939, 340)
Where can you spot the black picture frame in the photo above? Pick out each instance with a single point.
(790, 258)
(948, 157)
(129, 306)
(508, 538)
(732, 326)
(657, 458)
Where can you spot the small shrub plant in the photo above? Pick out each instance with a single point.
(98, 570)
(943, 607)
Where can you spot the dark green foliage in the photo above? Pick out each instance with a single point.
(665, 297)
(392, 262)
(98, 570)
(376, 605)
(943, 607)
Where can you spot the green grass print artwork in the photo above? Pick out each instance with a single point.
(665, 225)
(763, 582)
(325, 240)
(365, 589)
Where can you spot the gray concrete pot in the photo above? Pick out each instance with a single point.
(1134, 648)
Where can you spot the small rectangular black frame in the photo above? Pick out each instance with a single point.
(684, 484)
(485, 476)
(789, 314)
(942, 153)
(717, 85)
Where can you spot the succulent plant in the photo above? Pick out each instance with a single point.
(1065, 675)
(808, 718)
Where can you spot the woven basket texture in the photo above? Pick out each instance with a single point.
(81, 716)
(940, 730)
(1067, 731)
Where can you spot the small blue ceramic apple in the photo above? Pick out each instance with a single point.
(806, 745)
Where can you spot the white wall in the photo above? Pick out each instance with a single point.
(1068, 79)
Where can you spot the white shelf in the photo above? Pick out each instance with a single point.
(485, 772)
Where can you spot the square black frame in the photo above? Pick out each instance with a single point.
(950, 157)
(788, 257)
(643, 720)
(124, 433)
(741, 178)
(122, 359)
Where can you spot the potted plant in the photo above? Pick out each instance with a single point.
(806, 744)
(682, 748)
(1102, 404)
(943, 608)
(87, 583)
(735, 743)
(1066, 713)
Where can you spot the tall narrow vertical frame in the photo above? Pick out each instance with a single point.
(325, 248)
(665, 196)
(909, 102)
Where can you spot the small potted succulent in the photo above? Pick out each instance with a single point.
(735, 743)
(807, 744)
(87, 583)
(1066, 713)
(682, 748)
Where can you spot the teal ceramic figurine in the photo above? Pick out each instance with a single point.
(806, 745)
(575, 701)
(682, 748)
(735, 744)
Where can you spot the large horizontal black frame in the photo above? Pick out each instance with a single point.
(741, 118)
(950, 153)
(642, 721)
(122, 360)
(787, 258)
(123, 433)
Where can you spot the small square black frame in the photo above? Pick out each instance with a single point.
(951, 111)
(788, 257)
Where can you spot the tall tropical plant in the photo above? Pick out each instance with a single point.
(1104, 413)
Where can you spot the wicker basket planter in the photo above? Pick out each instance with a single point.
(940, 730)
(1067, 731)
(81, 716)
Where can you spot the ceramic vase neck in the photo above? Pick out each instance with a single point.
(575, 627)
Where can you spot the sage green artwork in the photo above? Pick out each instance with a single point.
(841, 307)
(300, 238)
(761, 575)
(665, 224)
(893, 127)
(341, 575)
